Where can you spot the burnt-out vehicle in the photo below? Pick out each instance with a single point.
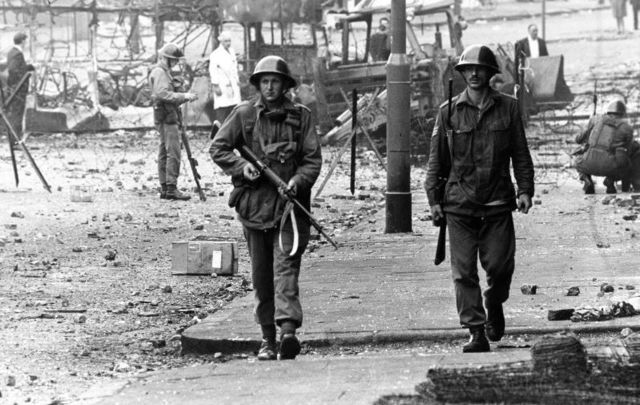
(329, 53)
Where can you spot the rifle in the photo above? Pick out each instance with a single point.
(595, 96)
(442, 222)
(280, 184)
(192, 162)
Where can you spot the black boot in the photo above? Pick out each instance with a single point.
(289, 343)
(478, 341)
(495, 322)
(588, 187)
(163, 191)
(267, 350)
(610, 185)
(174, 194)
(626, 185)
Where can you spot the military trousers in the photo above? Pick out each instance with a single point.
(169, 153)
(492, 241)
(275, 275)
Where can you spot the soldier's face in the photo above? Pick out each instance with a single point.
(476, 76)
(271, 87)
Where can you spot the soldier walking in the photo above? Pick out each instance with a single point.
(167, 117)
(469, 185)
(281, 133)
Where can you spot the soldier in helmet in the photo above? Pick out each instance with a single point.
(607, 145)
(282, 134)
(167, 117)
(469, 185)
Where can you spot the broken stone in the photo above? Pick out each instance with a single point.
(198, 227)
(629, 287)
(11, 381)
(607, 199)
(11, 226)
(227, 217)
(529, 289)
(17, 214)
(573, 292)
(630, 217)
(148, 314)
(603, 245)
(606, 288)
(78, 249)
(167, 289)
(80, 319)
(121, 367)
(560, 314)
(158, 343)
(111, 255)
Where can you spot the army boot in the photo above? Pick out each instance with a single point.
(163, 191)
(588, 187)
(267, 350)
(174, 194)
(478, 341)
(626, 185)
(495, 322)
(289, 343)
(610, 185)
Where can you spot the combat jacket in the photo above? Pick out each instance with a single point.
(287, 143)
(468, 171)
(166, 100)
(607, 143)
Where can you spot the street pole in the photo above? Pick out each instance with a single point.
(398, 195)
(544, 19)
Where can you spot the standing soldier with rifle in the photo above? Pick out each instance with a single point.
(167, 118)
(469, 184)
(279, 132)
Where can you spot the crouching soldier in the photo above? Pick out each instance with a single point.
(280, 133)
(167, 118)
(606, 147)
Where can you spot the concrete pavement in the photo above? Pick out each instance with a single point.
(385, 288)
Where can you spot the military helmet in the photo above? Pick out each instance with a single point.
(171, 51)
(617, 107)
(479, 55)
(272, 65)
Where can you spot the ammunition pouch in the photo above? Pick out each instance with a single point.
(164, 113)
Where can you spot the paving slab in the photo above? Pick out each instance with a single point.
(347, 380)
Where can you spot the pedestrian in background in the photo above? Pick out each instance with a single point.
(223, 69)
(381, 42)
(619, 8)
(282, 133)
(531, 46)
(167, 117)
(469, 186)
(606, 149)
(17, 67)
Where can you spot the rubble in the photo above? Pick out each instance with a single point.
(573, 291)
(529, 289)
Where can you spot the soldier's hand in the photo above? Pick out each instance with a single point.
(524, 203)
(291, 189)
(437, 214)
(250, 172)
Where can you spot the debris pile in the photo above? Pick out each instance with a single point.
(562, 370)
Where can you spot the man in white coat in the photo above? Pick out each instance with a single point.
(223, 69)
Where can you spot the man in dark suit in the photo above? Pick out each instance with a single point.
(530, 47)
(16, 69)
